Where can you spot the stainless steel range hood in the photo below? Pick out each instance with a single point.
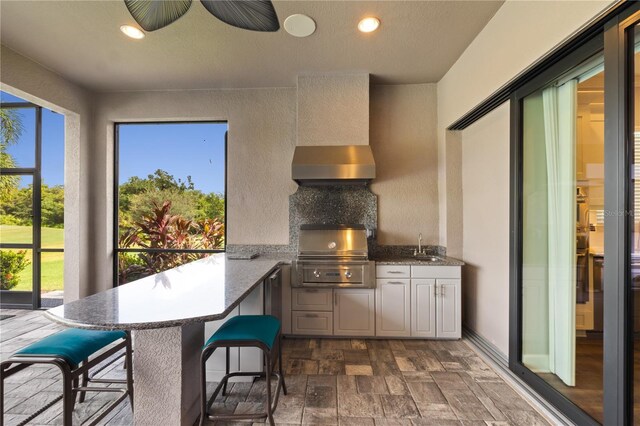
(333, 165)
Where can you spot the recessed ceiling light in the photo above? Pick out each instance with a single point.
(368, 25)
(299, 25)
(132, 32)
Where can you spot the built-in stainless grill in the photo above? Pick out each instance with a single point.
(333, 256)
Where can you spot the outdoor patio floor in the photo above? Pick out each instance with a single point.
(330, 381)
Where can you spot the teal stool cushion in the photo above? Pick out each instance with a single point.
(263, 328)
(73, 345)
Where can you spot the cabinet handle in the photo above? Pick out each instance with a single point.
(395, 272)
(395, 282)
(435, 290)
(311, 290)
(311, 315)
(335, 298)
(442, 290)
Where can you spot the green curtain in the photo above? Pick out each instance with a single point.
(560, 115)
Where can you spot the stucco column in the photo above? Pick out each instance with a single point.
(166, 375)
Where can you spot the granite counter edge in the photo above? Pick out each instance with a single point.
(169, 323)
(448, 261)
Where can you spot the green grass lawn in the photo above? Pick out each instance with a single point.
(52, 263)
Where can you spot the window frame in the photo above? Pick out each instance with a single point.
(12, 299)
(116, 194)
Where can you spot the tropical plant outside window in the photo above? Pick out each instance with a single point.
(171, 201)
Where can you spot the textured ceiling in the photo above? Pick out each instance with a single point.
(417, 42)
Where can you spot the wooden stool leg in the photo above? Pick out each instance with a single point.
(2, 395)
(284, 385)
(268, 378)
(203, 386)
(227, 359)
(68, 398)
(85, 381)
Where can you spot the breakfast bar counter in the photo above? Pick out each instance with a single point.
(166, 313)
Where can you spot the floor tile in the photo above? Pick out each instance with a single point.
(330, 381)
(371, 384)
(359, 405)
(358, 370)
(400, 406)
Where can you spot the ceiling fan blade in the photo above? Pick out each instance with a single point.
(155, 14)
(255, 15)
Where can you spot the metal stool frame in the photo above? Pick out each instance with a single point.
(71, 377)
(271, 403)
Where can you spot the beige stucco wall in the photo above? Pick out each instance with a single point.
(260, 147)
(262, 136)
(28, 80)
(516, 37)
(333, 109)
(485, 242)
(402, 135)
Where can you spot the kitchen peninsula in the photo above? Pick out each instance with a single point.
(166, 313)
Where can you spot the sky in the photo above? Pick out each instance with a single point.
(182, 149)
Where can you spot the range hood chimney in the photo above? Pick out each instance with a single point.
(333, 165)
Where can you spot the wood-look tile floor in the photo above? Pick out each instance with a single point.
(330, 381)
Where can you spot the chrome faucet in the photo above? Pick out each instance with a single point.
(419, 251)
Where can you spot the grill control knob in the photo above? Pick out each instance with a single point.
(332, 245)
(347, 274)
(316, 274)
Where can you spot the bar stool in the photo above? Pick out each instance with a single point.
(261, 331)
(69, 350)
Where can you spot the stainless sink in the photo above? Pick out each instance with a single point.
(429, 258)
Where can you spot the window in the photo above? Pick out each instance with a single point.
(31, 204)
(170, 203)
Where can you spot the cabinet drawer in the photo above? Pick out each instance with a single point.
(426, 271)
(312, 299)
(312, 323)
(393, 271)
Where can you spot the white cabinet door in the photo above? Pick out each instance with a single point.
(423, 308)
(354, 312)
(393, 298)
(312, 299)
(449, 303)
(393, 271)
(312, 323)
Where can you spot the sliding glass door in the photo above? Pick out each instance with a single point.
(562, 234)
(575, 215)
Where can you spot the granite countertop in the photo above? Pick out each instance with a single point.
(407, 260)
(205, 290)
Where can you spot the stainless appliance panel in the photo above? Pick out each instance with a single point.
(332, 274)
(314, 165)
(333, 242)
(365, 274)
